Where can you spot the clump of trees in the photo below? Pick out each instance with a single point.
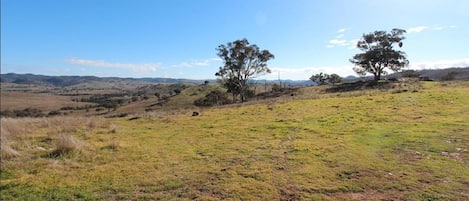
(410, 73)
(214, 98)
(28, 112)
(379, 53)
(242, 61)
(323, 78)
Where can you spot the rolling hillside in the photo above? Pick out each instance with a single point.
(406, 142)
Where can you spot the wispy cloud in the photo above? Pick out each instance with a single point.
(205, 62)
(340, 41)
(337, 42)
(136, 68)
(342, 30)
(440, 64)
(419, 29)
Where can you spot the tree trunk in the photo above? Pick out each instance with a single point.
(243, 95)
(377, 76)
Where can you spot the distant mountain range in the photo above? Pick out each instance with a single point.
(64, 81)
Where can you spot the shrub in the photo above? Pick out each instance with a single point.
(410, 73)
(213, 98)
(449, 76)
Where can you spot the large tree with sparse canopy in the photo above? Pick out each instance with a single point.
(379, 53)
(242, 61)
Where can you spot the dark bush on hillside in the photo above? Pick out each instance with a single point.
(28, 112)
(449, 76)
(53, 113)
(410, 73)
(211, 99)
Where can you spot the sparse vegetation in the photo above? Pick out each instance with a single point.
(368, 143)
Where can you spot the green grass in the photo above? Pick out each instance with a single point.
(365, 145)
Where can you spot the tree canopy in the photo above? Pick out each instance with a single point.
(379, 53)
(242, 61)
(323, 78)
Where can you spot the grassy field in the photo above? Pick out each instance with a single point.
(45, 102)
(408, 143)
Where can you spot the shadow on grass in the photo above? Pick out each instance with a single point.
(360, 85)
(277, 93)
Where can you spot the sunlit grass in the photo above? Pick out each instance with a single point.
(363, 145)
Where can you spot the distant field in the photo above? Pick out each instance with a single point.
(405, 143)
(46, 102)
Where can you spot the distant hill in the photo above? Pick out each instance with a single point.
(64, 81)
(440, 74)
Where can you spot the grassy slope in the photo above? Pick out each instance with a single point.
(367, 145)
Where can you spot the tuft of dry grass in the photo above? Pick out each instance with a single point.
(66, 144)
(113, 145)
(7, 152)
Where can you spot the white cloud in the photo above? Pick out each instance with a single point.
(206, 62)
(351, 44)
(338, 42)
(416, 29)
(342, 30)
(137, 68)
(419, 29)
(439, 64)
(340, 36)
(439, 28)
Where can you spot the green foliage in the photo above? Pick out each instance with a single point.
(379, 53)
(322, 78)
(213, 98)
(242, 61)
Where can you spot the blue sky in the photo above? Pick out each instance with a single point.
(177, 38)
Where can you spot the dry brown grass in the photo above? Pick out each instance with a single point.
(66, 144)
(44, 102)
(6, 151)
(55, 136)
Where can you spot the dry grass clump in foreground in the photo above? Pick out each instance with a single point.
(53, 136)
(6, 151)
(67, 144)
